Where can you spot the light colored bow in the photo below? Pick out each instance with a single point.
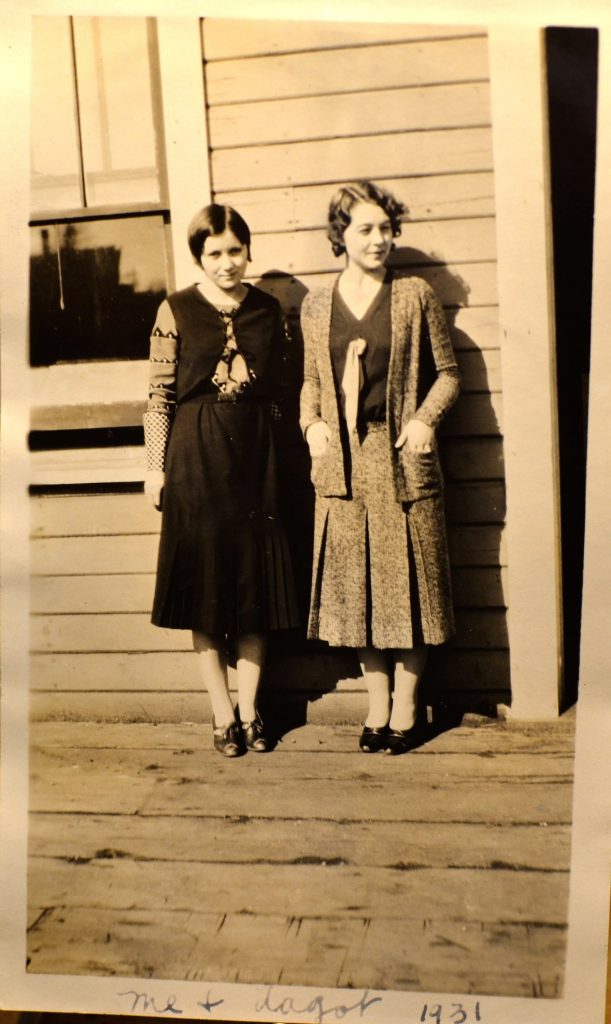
(352, 381)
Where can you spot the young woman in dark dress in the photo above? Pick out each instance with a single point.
(379, 376)
(223, 569)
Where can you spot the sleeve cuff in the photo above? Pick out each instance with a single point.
(156, 433)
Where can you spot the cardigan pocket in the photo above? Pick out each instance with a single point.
(422, 472)
(327, 473)
(318, 474)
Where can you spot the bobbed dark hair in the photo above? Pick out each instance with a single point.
(360, 192)
(213, 220)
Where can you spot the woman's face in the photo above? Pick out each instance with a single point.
(368, 237)
(224, 259)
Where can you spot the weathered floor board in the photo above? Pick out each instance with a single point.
(434, 955)
(444, 870)
(88, 837)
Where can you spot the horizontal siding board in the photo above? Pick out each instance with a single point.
(229, 37)
(435, 197)
(308, 252)
(121, 632)
(178, 672)
(475, 502)
(126, 592)
(475, 415)
(479, 588)
(478, 544)
(88, 465)
(468, 502)
(343, 159)
(91, 594)
(480, 371)
(119, 706)
(481, 628)
(473, 459)
(93, 555)
(373, 67)
(93, 514)
(459, 105)
(471, 329)
(95, 382)
(453, 284)
(329, 708)
(90, 415)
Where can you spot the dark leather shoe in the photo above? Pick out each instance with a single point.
(373, 739)
(401, 741)
(227, 740)
(254, 735)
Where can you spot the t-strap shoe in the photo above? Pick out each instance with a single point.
(254, 735)
(227, 739)
(373, 739)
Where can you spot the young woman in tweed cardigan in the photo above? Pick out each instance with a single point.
(379, 375)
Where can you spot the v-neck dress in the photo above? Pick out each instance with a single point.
(374, 327)
(381, 571)
(224, 567)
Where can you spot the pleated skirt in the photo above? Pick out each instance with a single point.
(224, 567)
(381, 573)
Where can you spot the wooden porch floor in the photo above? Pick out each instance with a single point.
(442, 870)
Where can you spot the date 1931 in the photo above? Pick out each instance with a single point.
(455, 1013)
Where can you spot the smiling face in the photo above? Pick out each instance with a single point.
(368, 237)
(224, 259)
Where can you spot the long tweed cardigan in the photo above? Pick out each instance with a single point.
(423, 382)
(418, 322)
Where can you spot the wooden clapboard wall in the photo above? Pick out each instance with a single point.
(293, 110)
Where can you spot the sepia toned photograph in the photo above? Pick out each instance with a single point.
(309, 329)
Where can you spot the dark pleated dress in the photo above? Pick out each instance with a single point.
(224, 567)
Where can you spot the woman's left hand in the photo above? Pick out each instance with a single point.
(419, 436)
(153, 487)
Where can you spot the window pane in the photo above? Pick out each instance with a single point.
(116, 113)
(94, 288)
(55, 180)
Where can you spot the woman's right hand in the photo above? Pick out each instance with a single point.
(153, 487)
(317, 436)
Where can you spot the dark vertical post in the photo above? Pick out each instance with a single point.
(572, 58)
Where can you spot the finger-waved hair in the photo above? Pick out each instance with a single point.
(360, 192)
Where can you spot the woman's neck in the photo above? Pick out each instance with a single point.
(358, 279)
(222, 297)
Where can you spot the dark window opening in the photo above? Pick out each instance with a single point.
(95, 286)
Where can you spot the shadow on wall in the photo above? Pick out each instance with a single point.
(471, 673)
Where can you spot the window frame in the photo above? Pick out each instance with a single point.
(85, 211)
(96, 212)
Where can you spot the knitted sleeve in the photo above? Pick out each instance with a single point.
(163, 364)
(446, 387)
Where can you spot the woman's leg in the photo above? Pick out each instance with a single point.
(250, 658)
(375, 669)
(212, 659)
(409, 665)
